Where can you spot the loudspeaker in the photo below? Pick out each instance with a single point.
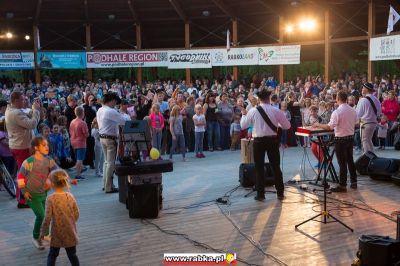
(247, 175)
(144, 201)
(122, 189)
(378, 250)
(382, 168)
(363, 161)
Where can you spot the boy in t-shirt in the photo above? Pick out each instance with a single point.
(235, 133)
(199, 128)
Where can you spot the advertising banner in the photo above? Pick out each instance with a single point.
(189, 59)
(385, 48)
(235, 57)
(17, 60)
(126, 59)
(61, 60)
(279, 55)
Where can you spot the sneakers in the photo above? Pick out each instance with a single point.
(198, 155)
(339, 189)
(37, 243)
(99, 174)
(202, 155)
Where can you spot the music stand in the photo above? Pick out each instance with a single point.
(135, 137)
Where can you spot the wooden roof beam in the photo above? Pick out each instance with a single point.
(133, 12)
(225, 8)
(86, 10)
(179, 10)
(37, 12)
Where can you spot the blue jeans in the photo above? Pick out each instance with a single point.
(156, 140)
(213, 131)
(198, 146)
(225, 136)
(71, 253)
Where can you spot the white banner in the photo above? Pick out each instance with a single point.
(279, 55)
(126, 59)
(385, 48)
(189, 59)
(16, 60)
(234, 57)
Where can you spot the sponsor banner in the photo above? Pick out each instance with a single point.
(189, 59)
(279, 55)
(65, 60)
(234, 57)
(17, 60)
(126, 59)
(385, 48)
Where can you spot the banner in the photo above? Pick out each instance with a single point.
(385, 48)
(126, 59)
(279, 55)
(61, 60)
(189, 59)
(17, 60)
(234, 57)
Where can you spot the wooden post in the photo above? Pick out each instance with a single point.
(139, 73)
(281, 67)
(235, 43)
(89, 71)
(328, 50)
(35, 51)
(371, 32)
(187, 46)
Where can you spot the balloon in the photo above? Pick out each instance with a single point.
(154, 154)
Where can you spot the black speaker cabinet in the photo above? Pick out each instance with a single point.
(247, 175)
(144, 201)
(379, 250)
(363, 161)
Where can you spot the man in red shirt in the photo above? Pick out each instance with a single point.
(79, 132)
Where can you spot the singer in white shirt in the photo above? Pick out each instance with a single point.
(265, 140)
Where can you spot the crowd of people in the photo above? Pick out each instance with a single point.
(76, 124)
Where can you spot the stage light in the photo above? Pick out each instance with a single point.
(9, 35)
(27, 37)
(307, 25)
(289, 29)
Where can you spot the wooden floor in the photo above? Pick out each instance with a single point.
(267, 229)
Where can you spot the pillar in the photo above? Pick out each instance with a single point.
(35, 51)
(328, 50)
(139, 73)
(281, 41)
(89, 71)
(187, 46)
(371, 32)
(235, 43)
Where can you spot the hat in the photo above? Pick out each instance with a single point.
(369, 86)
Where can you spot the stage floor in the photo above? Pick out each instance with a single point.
(109, 237)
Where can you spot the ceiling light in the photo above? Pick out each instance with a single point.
(289, 29)
(111, 17)
(9, 35)
(27, 37)
(206, 13)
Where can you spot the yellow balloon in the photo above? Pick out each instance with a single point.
(154, 154)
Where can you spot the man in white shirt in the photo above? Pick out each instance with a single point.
(343, 121)
(368, 110)
(109, 120)
(265, 140)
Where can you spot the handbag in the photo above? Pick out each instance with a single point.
(274, 128)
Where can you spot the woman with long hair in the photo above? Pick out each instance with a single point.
(213, 132)
(176, 129)
(90, 108)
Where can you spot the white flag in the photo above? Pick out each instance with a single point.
(394, 17)
(228, 40)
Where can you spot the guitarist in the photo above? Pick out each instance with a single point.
(267, 121)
